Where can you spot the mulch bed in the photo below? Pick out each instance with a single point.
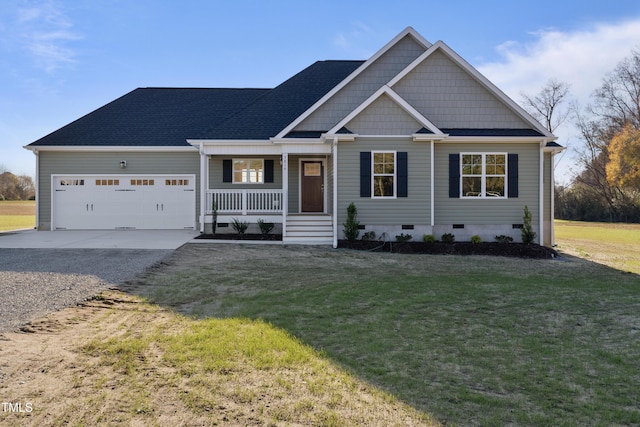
(517, 250)
(230, 236)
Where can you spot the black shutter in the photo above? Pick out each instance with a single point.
(268, 171)
(512, 177)
(403, 174)
(227, 171)
(454, 175)
(365, 174)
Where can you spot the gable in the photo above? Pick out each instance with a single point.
(364, 85)
(450, 97)
(384, 117)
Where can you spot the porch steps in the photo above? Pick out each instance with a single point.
(309, 230)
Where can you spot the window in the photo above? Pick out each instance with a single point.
(107, 182)
(71, 181)
(248, 171)
(483, 174)
(384, 174)
(143, 182)
(171, 182)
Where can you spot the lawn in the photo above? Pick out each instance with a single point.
(16, 215)
(467, 340)
(615, 245)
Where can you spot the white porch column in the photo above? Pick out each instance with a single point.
(541, 195)
(204, 184)
(335, 192)
(285, 192)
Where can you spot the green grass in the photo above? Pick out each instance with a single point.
(16, 215)
(615, 245)
(469, 340)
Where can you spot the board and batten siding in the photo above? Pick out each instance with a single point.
(108, 163)
(364, 85)
(216, 181)
(411, 210)
(489, 211)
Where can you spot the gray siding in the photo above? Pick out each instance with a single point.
(451, 98)
(411, 210)
(487, 211)
(363, 86)
(384, 117)
(52, 163)
(215, 174)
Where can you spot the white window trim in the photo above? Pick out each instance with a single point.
(395, 174)
(233, 170)
(483, 177)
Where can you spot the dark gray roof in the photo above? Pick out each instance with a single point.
(153, 117)
(491, 132)
(271, 113)
(170, 116)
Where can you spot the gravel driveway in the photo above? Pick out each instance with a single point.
(35, 282)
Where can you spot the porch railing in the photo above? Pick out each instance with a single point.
(244, 202)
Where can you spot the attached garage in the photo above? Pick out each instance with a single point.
(106, 202)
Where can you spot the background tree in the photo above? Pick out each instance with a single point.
(14, 187)
(547, 106)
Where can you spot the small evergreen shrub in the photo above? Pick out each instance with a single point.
(504, 239)
(265, 227)
(403, 237)
(476, 239)
(369, 235)
(350, 229)
(429, 238)
(239, 226)
(528, 235)
(448, 238)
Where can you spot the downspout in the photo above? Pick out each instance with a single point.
(335, 191)
(553, 198)
(203, 186)
(432, 188)
(37, 185)
(541, 194)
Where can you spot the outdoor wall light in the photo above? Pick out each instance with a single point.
(123, 164)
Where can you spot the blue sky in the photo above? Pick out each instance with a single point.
(61, 59)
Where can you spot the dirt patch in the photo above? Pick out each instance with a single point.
(230, 236)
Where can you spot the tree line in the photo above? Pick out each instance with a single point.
(607, 186)
(14, 187)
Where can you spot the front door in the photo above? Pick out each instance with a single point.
(312, 186)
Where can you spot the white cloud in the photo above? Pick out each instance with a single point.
(581, 58)
(45, 31)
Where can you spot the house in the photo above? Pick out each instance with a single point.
(416, 137)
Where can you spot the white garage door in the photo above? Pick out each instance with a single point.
(100, 202)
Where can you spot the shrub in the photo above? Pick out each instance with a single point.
(429, 238)
(504, 239)
(403, 237)
(214, 211)
(239, 226)
(265, 227)
(350, 229)
(448, 238)
(476, 239)
(528, 235)
(369, 235)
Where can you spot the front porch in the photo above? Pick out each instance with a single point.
(250, 206)
(297, 196)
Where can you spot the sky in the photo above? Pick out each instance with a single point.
(61, 59)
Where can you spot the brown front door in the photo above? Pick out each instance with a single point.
(312, 186)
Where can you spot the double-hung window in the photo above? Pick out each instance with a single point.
(384, 174)
(248, 171)
(483, 175)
